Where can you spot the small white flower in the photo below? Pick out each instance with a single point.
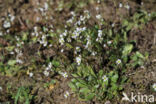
(118, 61)
(50, 65)
(66, 94)
(31, 74)
(1, 88)
(50, 45)
(127, 7)
(99, 33)
(113, 24)
(105, 78)
(149, 14)
(12, 18)
(98, 16)
(94, 53)
(12, 53)
(19, 61)
(78, 60)
(72, 13)
(154, 86)
(109, 42)
(98, 1)
(61, 40)
(120, 5)
(6, 24)
(46, 6)
(62, 50)
(97, 39)
(65, 75)
(46, 73)
(78, 49)
(104, 45)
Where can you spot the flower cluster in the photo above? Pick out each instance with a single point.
(78, 60)
(64, 74)
(48, 69)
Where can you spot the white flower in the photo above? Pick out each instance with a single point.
(109, 42)
(65, 75)
(31, 74)
(61, 40)
(12, 18)
(142, 3)
(37, 19)
(62, 50)
(35, 29)
(98, 16)
(113, 24)
(78, 49)
(6, 24)
(19, 61)
(149, 14)
(1, 88)
(98, 1)
(70, 20)
(50, 65)
(118, 61)
(99, 33)
(97, 39)
(78, 60)
(104, 45)
(46, 6)
(73, 13)
(127, 7)
(46, 73)
(105, 78)
(154, 86)
(12, 53)
(66, 94)
(94, 53)
(120, 5)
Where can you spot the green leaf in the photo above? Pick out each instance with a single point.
(69, 46)
(100, 74)
(138, 54)
(24, 37)
(80, 85)
(91, 71)
(72, 86)
(56, 63)
(84, 90)
(75, 75)
(90, 96)
(125, 23)
(12, 62)
(114, 87)
(110, 74)
(114, 78)
(127, 49)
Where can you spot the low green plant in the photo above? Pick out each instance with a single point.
(88, 84)
(22, 96)
(114, 59)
